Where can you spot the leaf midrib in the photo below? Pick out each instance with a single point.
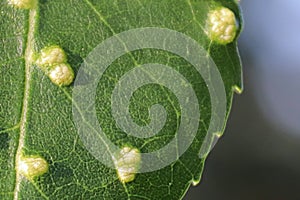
(28, 57)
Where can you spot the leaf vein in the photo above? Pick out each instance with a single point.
(23, 122)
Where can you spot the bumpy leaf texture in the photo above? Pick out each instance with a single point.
(36, 114)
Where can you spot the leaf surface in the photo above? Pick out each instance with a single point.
(36, 115)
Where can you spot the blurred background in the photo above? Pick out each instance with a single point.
(258, 156)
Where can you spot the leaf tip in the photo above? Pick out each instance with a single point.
(237, 89)
(195, 182)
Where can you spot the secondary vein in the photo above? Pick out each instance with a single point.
(23, 122)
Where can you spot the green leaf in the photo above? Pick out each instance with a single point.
(36, 120)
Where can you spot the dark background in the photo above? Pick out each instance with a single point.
(258, 156)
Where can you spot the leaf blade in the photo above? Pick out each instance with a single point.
(50, 131)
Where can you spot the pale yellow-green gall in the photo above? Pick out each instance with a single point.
(53, 61)
(50, 56)
(61, 74)
(127, 164)
(221, 25)
(31, 167)
(23, 4)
